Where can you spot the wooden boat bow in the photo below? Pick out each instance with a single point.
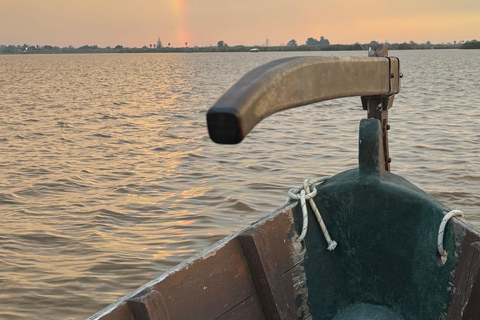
(385, 266)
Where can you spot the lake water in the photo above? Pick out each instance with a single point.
(108, 177)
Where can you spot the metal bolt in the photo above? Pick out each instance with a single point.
(392, 75)
(388, 127)
(401, 75)
(389, 160)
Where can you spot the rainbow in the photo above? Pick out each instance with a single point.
(179, 8)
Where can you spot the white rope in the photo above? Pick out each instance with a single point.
(441, 230)
(303, 193)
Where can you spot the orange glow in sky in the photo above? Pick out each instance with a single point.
(249, 22)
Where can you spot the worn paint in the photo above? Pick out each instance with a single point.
(386, 231)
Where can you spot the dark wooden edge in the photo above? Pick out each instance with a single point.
(472, 304)
(260, 260)
(296, 278)
(260, 268)
(269, 255)
(148, 305)
(466, 287)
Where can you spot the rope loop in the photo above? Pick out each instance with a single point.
(441, 230)
(303, 193)
(294, 194)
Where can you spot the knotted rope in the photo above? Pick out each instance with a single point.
(303, 193)
(441, 230)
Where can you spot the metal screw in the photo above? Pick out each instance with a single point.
(392, 75)
(388, 127)
(389, 160)
(401, 75)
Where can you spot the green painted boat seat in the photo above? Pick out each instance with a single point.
(386, 261)
(366, 311)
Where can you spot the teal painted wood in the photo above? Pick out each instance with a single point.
(386, 230)
(365, 311)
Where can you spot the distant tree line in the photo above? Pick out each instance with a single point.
(29, 49)
(315, 42)
(311, 44)
(474, 44)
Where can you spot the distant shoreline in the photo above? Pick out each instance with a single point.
(27, 49)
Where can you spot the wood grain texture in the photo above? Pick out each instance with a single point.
(268, 251)
(250, 309)
(472, 305)
(208, 287)
(466, 288)
(295, 278)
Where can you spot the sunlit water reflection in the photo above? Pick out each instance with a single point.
(108, 178)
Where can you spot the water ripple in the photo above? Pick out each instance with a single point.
(108, 177)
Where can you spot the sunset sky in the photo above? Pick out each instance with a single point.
(136, 23)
